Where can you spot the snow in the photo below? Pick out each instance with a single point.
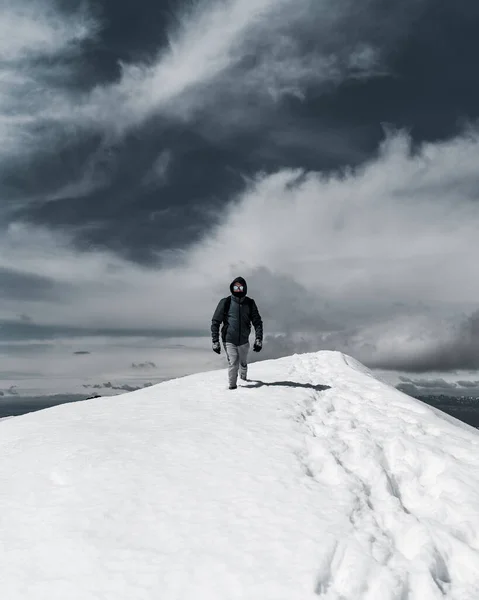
(315, 480)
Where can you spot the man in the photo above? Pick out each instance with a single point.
(237, 312)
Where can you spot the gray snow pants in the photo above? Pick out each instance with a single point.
(237, 360)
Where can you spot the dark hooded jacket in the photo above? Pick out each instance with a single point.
(236, 313)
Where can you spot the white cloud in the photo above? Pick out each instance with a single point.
(29, 30)
(386, 255)
(354, 227)
(381, 258)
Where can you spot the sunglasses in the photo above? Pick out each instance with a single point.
(238, 287)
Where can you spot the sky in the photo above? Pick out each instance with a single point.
(153, 151)
(313, 480)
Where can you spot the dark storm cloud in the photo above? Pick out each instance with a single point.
(130, 212)
(459, 351)
(16, 285)
(321, 131)
(429, 89)
(131, 32)
(287, 305)
(277, 346)
(93, 186)
(468, 384)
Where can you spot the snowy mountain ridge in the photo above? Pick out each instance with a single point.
(314, 480)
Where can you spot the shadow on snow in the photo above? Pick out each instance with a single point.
(308, 386)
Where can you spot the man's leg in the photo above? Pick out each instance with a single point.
(243, 360)
(233, 357)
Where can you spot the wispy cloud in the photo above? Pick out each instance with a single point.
(37, 42)
(226, 64)
(41, 45)
(157, 176)
(41, 29)
(220, 52)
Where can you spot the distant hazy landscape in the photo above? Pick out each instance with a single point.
(14, 407)
(465, 408)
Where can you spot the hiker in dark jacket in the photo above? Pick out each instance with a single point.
(237, 312)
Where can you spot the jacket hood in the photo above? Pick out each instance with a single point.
(239, 280)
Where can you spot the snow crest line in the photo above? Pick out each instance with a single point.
(387, 472)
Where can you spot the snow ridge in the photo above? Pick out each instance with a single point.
(314, 480)
(398, 477)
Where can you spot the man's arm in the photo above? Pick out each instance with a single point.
(217, 320)
(257, 321)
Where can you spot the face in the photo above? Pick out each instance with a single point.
(238, 288)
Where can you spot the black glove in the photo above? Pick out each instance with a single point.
(216, 347)
(258, 345)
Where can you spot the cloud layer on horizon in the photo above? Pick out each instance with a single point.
(439, 387)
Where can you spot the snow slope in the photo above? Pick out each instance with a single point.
(319, 482)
